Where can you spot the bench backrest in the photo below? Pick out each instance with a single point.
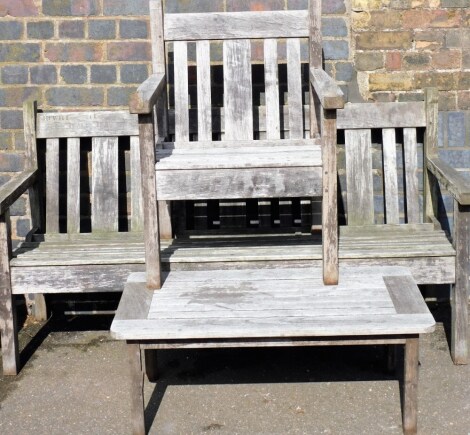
(383, 142)
(87, 185)
(228, 71)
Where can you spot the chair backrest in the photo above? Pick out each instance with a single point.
(237, 75)
(91, 162)
(383, 143)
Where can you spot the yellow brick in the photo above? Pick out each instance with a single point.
(390, 82)
(367, 5)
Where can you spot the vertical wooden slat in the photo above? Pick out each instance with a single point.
(390, 176)
(104, 207)
(204, 101)
(315, 59)
(73, 185)
(238, 92)
(410, 390)
(330, 199)
(149, 195)
(181, 91)
(52, 185)
(271, 79)
(8, 327)
(460, 290)
(360, 195)
(430, 149)
(294, 85)
(410, 151)
(137, 218)
(158, 43)
(137, 389)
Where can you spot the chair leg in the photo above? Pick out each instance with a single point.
(137, 390)
(37, 306)
(410, 388)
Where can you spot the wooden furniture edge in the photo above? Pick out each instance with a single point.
(14, 188)
(329, 93)
(143, 100)
(457, 185)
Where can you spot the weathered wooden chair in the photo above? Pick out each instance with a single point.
(88, 234)
(277, 304)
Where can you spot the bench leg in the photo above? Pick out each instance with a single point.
(459, 292)
(37, 306)
(8, 327)
(151, 368)
(410, 388)
(137, 390)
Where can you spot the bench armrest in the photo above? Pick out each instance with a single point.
(14, 188)
(329, 93)
(143, 100)
(454, 182)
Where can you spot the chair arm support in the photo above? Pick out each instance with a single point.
(454, 182)
(14, 188)
(329, 93)
(143, 100)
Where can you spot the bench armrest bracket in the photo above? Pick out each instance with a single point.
(329, 93)
(14, 188)
(143, 100)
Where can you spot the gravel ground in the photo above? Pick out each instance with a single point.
(76, 382)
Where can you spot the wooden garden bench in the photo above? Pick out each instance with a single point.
(268, 301)
(87, 227)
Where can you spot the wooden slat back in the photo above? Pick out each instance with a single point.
(92, 183)
(394, 178)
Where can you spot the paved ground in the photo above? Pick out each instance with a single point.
(76, 382)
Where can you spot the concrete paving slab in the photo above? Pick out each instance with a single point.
(76, 382)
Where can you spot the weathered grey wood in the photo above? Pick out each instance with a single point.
(52, 182)
(382, 115)
(135, 302)
(236, 25)
(105, 195)
(315, 61)
(149, 195)
(204, 100)
(294, 85)
(86, 124)
(405, 295)
(390, 175)
(9, 338)
(359, 177)
(237, 183)
(137, 389)
(271, 80)
(410, 152)
(460, 292)
(328, 92)
(410, 393)
(73, 185)
(17, 186)
(329, 199)
(157, 39)
(250, 145)
(181, 91)
(137, 214)
(151, 368)
(36, 306)
(238, 99)
(145, 98)
(450, 179)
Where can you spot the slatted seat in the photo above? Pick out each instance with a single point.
(86, 212)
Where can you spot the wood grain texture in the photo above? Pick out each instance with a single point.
(137, 214)
(392, 213)
(294, 87)
(410, 152)
(410, 390)
(14, 188)
(181, 91)
(73, 185)
(135, 302)
(8, 327)
(359, 177)
(236, 25)
(405, 295)
(52, 183)
(86, 124)
(147, 94)
(105, 195)
(430, 151)
(238, 98)
(157, 39)
(271, 79)
(136, 389)
(204, 100)
(328, 92)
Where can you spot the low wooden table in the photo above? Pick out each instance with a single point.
(272, 307)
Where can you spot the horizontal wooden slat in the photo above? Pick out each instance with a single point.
(381, 115)
(272, 145)
(86, 124)
(236, 25)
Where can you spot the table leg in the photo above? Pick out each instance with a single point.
(151, 368)
(410, 390)
(137, 389)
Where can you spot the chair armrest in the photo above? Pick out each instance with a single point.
(454, 182)
(329, 93)
(143, 100)
(14, 188)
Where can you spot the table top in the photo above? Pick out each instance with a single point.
(272, 303)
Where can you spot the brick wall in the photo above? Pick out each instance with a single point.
(91, 54)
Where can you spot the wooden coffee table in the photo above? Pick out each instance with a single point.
(272, 307)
